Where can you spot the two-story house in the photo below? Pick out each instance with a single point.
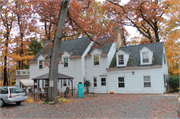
(130, 69)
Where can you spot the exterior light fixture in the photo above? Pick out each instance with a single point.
(132, 72)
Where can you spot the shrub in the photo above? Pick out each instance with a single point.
(87, 84)
(173, 82)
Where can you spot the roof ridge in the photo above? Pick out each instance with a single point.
(141, 44)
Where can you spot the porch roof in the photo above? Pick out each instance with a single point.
(46, 77)
(27, 82)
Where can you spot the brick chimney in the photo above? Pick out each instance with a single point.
(118, 38)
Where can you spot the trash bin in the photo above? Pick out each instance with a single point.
(80, 90)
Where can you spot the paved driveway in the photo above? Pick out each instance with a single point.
(99, 106)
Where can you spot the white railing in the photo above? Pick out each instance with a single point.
(22, 72)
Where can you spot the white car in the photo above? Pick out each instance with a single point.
(12, 94)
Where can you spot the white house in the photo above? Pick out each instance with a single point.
(130, 69)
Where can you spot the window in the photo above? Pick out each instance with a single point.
(103, 81)
(46, 83)
(4, 91)
(96, 59)
(145, 57)
(16, 90)
(121, 59)
(64, 83)
(65, 62)
(165, 80)
(40, 64)
(121, 83)
(95, 82)
(147, 81)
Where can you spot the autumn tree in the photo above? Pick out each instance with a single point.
(17, 29)
(171, 34)
(145, 16)
(26, 27)
(7, 19)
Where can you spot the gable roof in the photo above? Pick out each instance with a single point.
(104, 48)
(75, 47)
(134, 55)
(46, 76)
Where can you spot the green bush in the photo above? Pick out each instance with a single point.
(173, 82)
(87, 84)
(176, 90)
(170, 91)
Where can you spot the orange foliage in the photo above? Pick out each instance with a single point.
(173, 52)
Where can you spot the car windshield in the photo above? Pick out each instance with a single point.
(16, 90)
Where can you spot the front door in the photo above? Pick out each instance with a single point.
(103, 85)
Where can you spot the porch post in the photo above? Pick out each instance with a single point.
(72, 86)
(34, 90)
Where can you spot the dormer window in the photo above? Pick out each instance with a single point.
(96, 59)
(121, 59)
(146, 56)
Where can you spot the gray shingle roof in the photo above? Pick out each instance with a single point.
(134, 54)
(105, 45)
(46, 76)
(75, 47)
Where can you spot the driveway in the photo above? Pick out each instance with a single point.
(98, 106)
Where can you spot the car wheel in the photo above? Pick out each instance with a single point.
(18, 103)
(1, 103)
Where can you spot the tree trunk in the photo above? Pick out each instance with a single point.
(5, 72)
(5, 60)
(53, 71)
(156, 32)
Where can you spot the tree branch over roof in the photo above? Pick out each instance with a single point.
(70, 18)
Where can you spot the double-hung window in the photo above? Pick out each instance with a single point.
(46, 83)
(103, 81)
(64, 83)
(145, 57)
(121, 59)
(95, 82)
(96, 59)
(40, 64)
(65, 62)
(147, 81)
(121, 83)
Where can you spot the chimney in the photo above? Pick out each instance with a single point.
(118, 38)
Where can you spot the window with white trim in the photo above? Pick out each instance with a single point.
(64, 83)
(96, 59)
(40, 64)
(121, 83)
(65, 62)
(103, 81)
(95, 82)
(147, 81)
(46, 83)
(121, 59)
(145, 57)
